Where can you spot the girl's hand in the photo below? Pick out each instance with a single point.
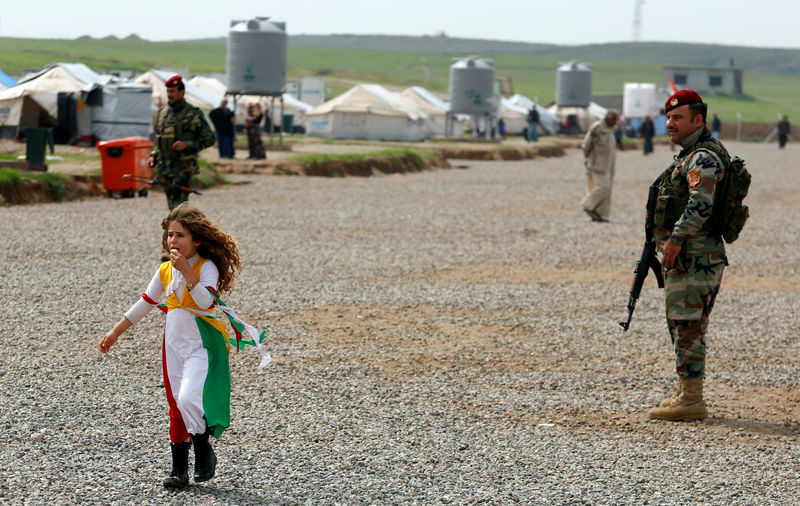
(179, 261)
(108, 341)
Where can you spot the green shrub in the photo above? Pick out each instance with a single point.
(208, 175)
(10, 177)
(54, 181)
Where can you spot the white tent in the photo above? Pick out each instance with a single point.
(586, 115)
(367, 111)
(199, 98)
(436, 109)
(6, 81)
(78, 101)
(291, 105)
(518, 103)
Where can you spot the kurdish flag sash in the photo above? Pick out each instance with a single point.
(238, 325)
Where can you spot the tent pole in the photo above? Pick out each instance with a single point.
(271, 109)
(281, 119)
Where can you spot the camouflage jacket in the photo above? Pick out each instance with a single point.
(696, 170)
(180, 122)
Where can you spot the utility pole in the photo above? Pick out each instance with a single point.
(637, 20)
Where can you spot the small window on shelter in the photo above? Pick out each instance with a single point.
(679, 79)
(715, 81)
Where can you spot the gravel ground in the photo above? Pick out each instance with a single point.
(441, 337)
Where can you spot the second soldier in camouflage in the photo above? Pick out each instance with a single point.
(181, 133)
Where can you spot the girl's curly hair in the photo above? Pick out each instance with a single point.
(215, 244)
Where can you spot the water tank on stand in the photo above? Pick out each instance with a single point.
(574, 84)
(257, 57)
(472, 86)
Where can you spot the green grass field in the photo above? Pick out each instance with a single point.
(533, 74)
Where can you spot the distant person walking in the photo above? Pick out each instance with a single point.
(618, 134)
(253, 127)
(181, 133)
(647, 131)
(784, 130)
(716, 125)
(533, 124)
(600, 153)
(222, 118)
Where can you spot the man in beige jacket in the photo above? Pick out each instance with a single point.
(600, 153)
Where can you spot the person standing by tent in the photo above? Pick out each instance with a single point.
(647, 131)
(600, 153)
(716, 125)
(181, 133)
(222, 117)
(533, 124)
(784, 130)
(253, 126)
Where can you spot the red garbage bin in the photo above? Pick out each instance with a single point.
(125, 156)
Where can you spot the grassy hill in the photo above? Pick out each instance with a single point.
(770, 61)
(771, 78)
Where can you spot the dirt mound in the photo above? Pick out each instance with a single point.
(394, 164)
(505, 153)
(73, 187)
(338, 167)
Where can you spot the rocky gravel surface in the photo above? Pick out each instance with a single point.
(447, 337)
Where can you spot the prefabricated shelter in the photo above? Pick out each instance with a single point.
(641, 99)
(78, 102)
(367, 111)
(722, 80)
(437, 111)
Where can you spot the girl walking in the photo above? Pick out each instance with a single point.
(202, 261)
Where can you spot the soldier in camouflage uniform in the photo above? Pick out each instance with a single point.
(693, 254)
(182, 132)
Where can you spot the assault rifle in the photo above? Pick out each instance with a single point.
(648, 261)
(153, 182)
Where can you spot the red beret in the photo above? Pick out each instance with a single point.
(682, 97)
(173, 81)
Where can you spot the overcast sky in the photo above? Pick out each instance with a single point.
(765, 23)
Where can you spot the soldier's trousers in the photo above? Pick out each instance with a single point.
(176, 196)
(691, 287)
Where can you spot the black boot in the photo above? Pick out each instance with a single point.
(205, 461)
(179, 477)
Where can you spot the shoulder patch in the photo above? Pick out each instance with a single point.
(694, 178)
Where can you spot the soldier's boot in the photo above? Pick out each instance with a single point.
(666, 402)
(179, 477)
(689, 405)
(205, 461)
